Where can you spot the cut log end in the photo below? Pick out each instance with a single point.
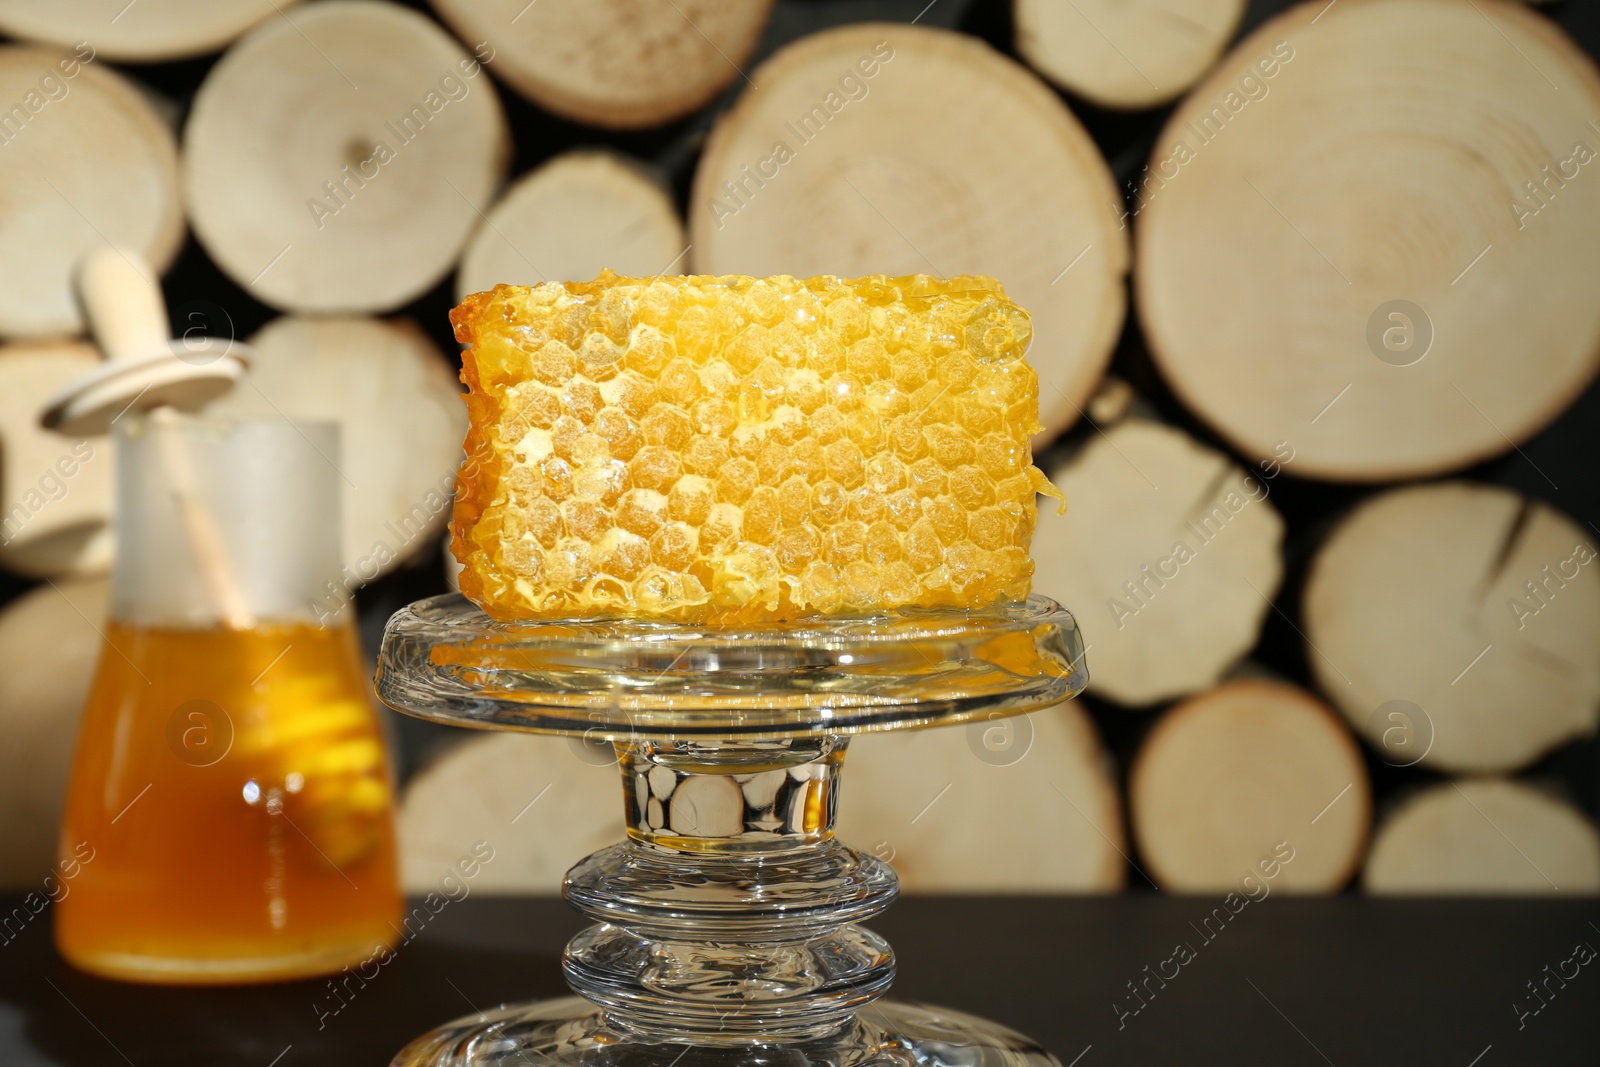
(1169, 555)
(562, 797)
(898, 149)
(619, 64)
(364, 199)
(1484, 837)
(49, 645)
(569, 219)
(1467, 611)
(1124, 53)
(1252, 780)
(1023, 804)
(55, 491)
(1394, 277)
(542, 804)
(148, 32)
(90, 162)
(401, 421)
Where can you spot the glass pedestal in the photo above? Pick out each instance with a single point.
(728, 920)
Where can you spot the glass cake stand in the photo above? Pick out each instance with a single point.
(727, 921)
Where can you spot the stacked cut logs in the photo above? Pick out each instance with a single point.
(1455, 626)
(50, 639)
(1399, 289)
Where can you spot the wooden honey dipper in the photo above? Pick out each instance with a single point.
(146, 370)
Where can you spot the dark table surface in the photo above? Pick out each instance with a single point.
(1342, 980)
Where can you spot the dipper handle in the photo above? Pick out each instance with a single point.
(122, 301)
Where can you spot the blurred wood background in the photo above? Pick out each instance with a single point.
(1555, 467)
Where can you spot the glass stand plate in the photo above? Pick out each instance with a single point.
(444, 659)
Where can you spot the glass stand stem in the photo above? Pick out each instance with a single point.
(727, 935)
(728, 916)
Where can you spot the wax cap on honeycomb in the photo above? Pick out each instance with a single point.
(733, 449)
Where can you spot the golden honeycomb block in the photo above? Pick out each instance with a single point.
(733, 450)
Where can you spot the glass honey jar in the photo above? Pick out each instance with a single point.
(230, 773)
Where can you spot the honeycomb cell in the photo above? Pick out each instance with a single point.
(524, 488)
(655, 467)
(582, 400)
(667, 425)
(620, 432)
(829, 501)
(828, 424)
(867, 506)
(586, 519)
(680, 383)
(885, 474)
(544, 522)
(948, 517)
(603, 481)
(803, 389)
(690, 499)
(972, 487)
(557, 478)
(644, 511)
(928, 478)
(991, 528)
(723, 527)
(707, 455)
(673, 546)
(794, 500)
(732, 450)
(903, 508)
(845, 463)
(553, 363)
(949, 445)
(763, 518)
(796, 547)
(538, 406)
(564, 435)
(773, 462)
(738, 480)
(805, 458)
(650, 351)
(636, 395)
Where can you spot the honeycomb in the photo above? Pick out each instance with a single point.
(733, 449)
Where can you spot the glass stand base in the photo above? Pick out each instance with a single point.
(572, 1031)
